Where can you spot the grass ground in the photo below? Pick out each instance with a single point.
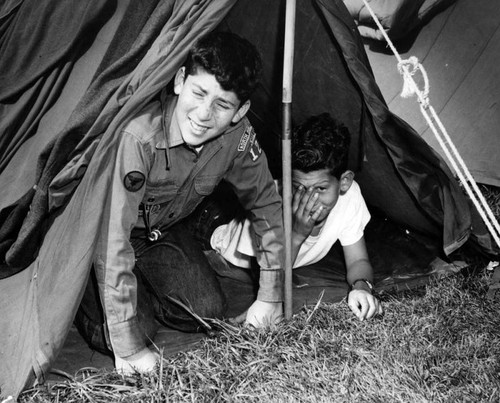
(438, 343)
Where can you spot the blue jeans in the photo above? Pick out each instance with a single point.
(175, 270)
(171, 270)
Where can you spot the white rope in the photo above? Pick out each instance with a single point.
(407, 68)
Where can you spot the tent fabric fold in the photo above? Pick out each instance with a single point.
(53, 37)
(31, 342)
(48, 32)
(18, 240)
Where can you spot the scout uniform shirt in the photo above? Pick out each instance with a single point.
(158, 177)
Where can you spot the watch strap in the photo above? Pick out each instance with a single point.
(364, 280)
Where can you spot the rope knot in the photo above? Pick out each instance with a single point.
(407, 68)
(412, 63)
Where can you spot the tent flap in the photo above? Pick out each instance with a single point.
(63, 262)
(53, 36)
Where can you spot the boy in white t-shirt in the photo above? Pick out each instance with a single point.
(327, 206)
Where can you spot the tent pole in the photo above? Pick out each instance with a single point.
(286, 150)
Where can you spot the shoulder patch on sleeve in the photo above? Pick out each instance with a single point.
(249, 133)
(134, 181)
(255, 149)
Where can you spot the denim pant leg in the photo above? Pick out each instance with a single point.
(175, 269)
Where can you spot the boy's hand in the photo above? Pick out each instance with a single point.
(363, 304)
(304, 215)
(262, 314)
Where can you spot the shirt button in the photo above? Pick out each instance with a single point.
(170, 215)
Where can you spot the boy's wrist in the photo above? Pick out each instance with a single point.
(298, 239)
(363, 284)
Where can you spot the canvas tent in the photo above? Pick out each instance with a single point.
(52, 182)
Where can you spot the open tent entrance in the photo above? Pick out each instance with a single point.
(420, 215)
(398, 173)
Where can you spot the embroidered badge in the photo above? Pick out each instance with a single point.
(249, 132)
(134, 181)
(255, 149)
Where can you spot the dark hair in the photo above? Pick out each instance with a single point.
(321, 142)
(234, 61)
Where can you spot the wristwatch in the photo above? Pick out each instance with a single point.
(364, 280)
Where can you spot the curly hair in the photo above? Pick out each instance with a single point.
(233, 60)
(321, 142)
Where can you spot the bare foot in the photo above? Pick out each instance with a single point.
(144, 361)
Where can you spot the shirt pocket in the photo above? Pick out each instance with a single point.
(205, 185)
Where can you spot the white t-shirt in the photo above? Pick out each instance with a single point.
(346, 223)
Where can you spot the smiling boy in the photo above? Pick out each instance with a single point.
(171, 155)
(327, 206)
